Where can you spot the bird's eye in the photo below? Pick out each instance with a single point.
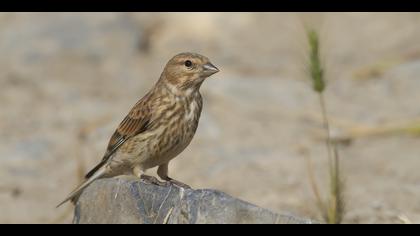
(188, 63)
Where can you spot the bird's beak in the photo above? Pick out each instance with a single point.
(210, 69)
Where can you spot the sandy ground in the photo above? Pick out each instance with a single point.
(67, 80)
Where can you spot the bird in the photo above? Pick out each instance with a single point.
(158, 127)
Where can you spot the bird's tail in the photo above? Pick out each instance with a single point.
(99, 173)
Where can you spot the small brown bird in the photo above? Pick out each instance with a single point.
(159, 126)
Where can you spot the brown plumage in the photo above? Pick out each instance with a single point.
(159, 126)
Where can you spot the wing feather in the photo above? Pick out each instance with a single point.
(134, 123)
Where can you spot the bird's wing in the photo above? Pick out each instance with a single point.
(135, 122)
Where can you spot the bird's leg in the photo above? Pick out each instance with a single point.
(163, 174)
(139, 173)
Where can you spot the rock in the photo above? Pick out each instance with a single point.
(130, 200)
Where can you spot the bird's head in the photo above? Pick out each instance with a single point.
(187, 71)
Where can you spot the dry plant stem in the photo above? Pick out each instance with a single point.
(333, 213)
(337, 188)
(314, 186)
(335, 210)
(406, 127)
(327, 130)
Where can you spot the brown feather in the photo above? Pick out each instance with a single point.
(134, 123)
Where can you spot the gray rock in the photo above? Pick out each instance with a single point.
(129, 200)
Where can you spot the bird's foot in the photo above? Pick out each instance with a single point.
(178, 183)
(153, 180)
(168, 181)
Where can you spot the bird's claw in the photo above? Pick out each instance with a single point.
(152, 180)
(167, 183)
(179, 184)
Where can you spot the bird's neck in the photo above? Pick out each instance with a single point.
(179, 91)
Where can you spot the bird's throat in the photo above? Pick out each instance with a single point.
(182, 91)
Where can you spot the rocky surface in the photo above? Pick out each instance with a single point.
(124, 200)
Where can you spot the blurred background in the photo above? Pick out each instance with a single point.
(68, 79)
